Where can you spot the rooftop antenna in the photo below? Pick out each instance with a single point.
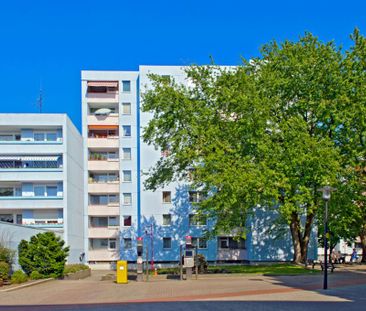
(40, 99)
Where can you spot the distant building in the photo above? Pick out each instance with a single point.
(41, 177)
(117, 207)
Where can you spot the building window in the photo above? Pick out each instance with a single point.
(103, 156)
(201, 243)
(7, 218)
(126, 130)
(167, 243)
(45, 136)
(126, 153)
(113, 221)
(126, 86)
(126, 108)
(45, 191)
(167, 220)
(99, 221)
(127, 221)
(127, 243)
(197, 220)
(127, 176)
(127, 198)
(195, 196)
(103, 199)
(167, 197)
(231, 243)
(112, 244)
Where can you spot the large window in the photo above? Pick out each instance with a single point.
(197, 220)
(103, 156)
(45, 191)
(126, 86)
(167, 219)
(6, 192)
(126, 130)
(201, 243)
(126, 108)
(167, 197)
(7, 218)
(167, 243)
(231, 243)
(127, 198)
(126, 153)
(103, 178)
(127, 176)
(103, 199)
(45, 136)
(111, 221)
(96, 244)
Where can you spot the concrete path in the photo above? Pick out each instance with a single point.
(345, 288)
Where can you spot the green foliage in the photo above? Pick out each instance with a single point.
(35, 275)
(275, 269)
(75, 268)
(202, 264)
(19, 277)
(6, 254)
(268, 134)
(4, 270)
(45, 253)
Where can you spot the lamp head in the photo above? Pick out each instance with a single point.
(326, 190)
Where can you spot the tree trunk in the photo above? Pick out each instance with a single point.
(363, 243)
(300, 242)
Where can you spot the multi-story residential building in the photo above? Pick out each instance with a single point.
(41, 176)
(117, 206)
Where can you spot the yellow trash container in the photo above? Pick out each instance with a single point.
(122, 272)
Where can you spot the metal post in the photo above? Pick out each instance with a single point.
(180, 262)
(325, 282)
(152, 246)
(196, 261)
(147, 262)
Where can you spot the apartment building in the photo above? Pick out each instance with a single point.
(117, 206)
(41, 176)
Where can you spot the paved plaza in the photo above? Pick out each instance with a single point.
(346, 291)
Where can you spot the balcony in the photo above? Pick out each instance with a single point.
(108, 165)
(108, 142)
(33, 162)
(103, 255)
(111, 119)
(103, 232)
(24, 202)
(46, 223)
(109, 187)
(103, 210)
(108, 97)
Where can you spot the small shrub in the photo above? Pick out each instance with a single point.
(6, 254)
(75, 268)
(4, 270)
(35, 275)
(202, 264)
(18, 277)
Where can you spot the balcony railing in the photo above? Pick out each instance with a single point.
(19, 197)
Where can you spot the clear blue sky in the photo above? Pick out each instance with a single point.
(52, 41)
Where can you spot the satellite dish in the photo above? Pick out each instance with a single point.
(103, 111)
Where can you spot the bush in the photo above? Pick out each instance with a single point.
(18, 277)
(6, 254)
(202, 264)
(44, 253)
(75, 268)
(35, 275)
(4, 270)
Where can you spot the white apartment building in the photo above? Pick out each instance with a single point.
(41, 177)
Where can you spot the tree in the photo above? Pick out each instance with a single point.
(261, 134)
(45, 253)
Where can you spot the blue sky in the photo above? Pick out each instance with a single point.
(52, 41)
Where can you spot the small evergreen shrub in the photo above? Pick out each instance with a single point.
(4, 270)
(75, 268)
(45, 253)
(35, 275)
(19, 277)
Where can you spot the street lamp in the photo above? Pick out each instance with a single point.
(326, 197)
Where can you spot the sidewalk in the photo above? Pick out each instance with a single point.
(212, 287)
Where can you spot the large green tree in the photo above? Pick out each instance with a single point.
(260, 134)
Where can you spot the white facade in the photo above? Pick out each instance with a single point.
(41, 175)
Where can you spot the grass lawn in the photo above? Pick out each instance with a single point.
(279, 269)
(274, 269)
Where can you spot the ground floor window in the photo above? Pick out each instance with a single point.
(167, 243)
(201, 243)
(96, 244)
(127, 243)
(231, 243)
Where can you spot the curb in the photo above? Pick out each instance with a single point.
(26, 285)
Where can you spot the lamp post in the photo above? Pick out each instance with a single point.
(326, 191)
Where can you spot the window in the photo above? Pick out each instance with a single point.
(6, 192)
(167, 220)
(126, 108)
(126, 130)
(197, 220)
(103, 156)
(113, 221)
(231, 243)
(103, 178)
(127, 198)
(39, 191)
(127, 176)
(112, 244)
(127, 221)
(167, 243)
(167, 197)
(38, 136)
(95, 244)
(51, 191)
(200, 242)
(99, 221)
(126, 86)
(6, 218)
(51, 136)
(103, 199)
(126, 153)
(127, 243)
(45, 136)
(195, 196)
